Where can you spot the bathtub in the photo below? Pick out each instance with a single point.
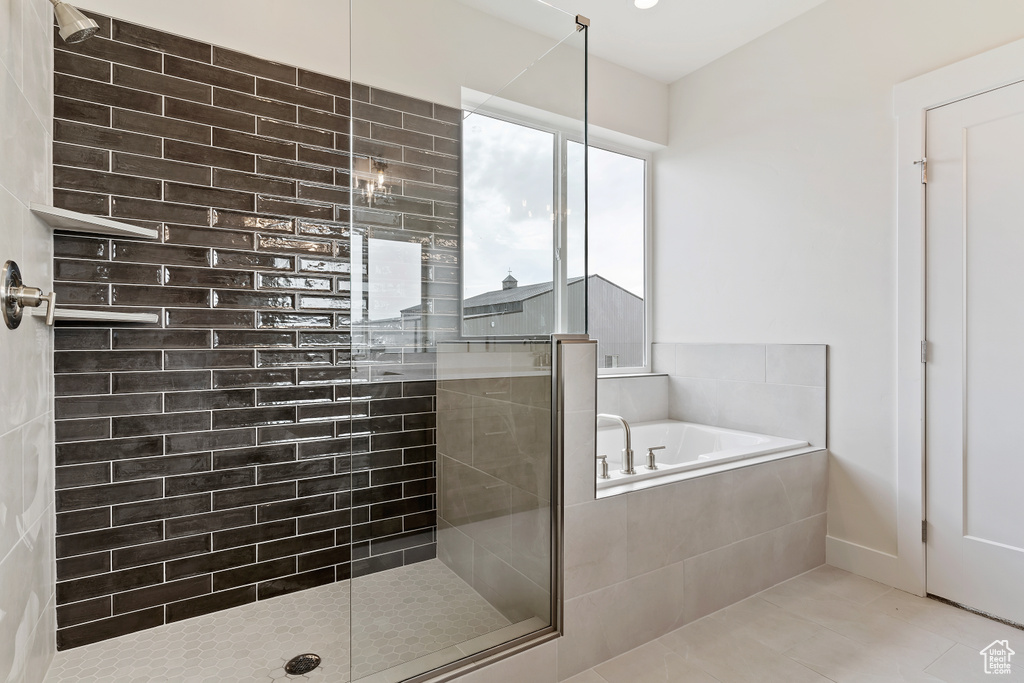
(688, 446)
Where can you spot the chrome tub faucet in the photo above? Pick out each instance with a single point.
(627, 452)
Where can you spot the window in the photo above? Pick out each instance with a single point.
(508, 197)
(516, 179)
(616, 258)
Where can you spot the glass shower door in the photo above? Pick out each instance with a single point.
(453, 501)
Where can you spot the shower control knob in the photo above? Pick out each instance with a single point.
(15, 297)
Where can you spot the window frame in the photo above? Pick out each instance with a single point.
(553, 124)
(559, 228)
(648, 159)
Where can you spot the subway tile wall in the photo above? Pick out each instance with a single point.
(262, 438)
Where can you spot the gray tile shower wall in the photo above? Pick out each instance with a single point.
(494, 478)
(262, 438)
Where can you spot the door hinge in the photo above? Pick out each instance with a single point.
(924, 351)
(924, 531)
(924, 169)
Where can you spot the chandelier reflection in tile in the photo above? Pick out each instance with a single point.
(370, 183)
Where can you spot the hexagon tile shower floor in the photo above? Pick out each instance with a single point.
(399, 615)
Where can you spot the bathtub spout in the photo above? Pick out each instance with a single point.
(627, 452)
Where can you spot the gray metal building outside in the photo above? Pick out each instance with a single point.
(616, 316)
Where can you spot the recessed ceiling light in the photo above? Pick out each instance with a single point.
(645, 4)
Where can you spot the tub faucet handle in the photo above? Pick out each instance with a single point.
(651, 464)
(603, 464)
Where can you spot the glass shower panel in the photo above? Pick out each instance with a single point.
(524, 207)
(508, 226)
(616, 256)
(461, 115)
(495, 462)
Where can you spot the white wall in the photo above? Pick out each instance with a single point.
(426, 49)
(775, 214)
(27, 623)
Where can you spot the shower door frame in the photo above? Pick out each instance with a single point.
(554, 630)
(560, 337)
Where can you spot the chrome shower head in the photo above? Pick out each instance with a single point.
(74, 26)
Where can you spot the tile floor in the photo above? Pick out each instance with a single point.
(402, 615)
(825, 625)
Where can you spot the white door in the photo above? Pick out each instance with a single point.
(975, 370)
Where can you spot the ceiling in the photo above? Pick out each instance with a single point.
(666, 42)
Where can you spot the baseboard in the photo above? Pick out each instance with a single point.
(861, 560)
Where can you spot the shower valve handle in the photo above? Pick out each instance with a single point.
(31, 297)
(15, 297)
(51, 307)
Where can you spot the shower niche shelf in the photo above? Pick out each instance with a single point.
(72, 221)
(78, 315)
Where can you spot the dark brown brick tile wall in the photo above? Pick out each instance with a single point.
(254, 442)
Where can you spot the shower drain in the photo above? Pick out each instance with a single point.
(302, 664)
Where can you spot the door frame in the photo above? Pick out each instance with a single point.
(912, 99)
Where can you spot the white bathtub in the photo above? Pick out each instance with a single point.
(688, 446)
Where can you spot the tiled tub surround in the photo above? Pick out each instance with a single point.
(642, 564)
(494, 479)
(256, 441)
(639, 565)
(775, 389)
